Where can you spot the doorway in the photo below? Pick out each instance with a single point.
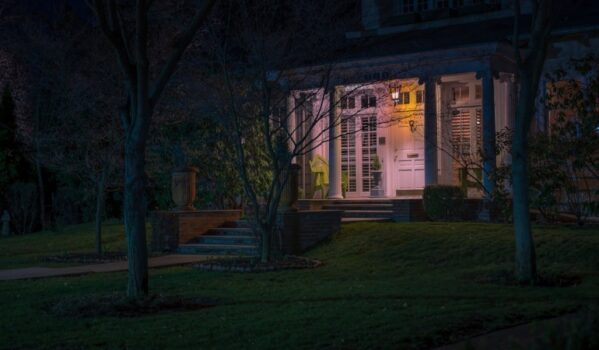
(358, 149)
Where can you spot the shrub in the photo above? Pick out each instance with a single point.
(443, 202)
(23, 206)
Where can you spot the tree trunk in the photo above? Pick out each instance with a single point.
(265, 253)
(41, 189)
(525, 251)
(134, 208)
(100, 195)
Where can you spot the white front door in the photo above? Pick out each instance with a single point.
(409, 154)
(358, 148)
(411, 169)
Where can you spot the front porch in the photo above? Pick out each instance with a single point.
(432, 124)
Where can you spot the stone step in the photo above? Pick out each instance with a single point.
(362, 201)
(365, 206)
(218, 249)
(350, 220)
(385, 214)
(230, 231)
(237, 224)
(227, 240)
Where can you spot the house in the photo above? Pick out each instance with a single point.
(423, 89)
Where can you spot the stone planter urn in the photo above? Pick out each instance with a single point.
(183, 188)
(377, 189)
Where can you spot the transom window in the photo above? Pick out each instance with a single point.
(403, 98)
(348, 102)
(368, 101)
(442, 4)
(459, 94)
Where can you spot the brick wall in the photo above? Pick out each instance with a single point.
(302, 230)
(408, 210)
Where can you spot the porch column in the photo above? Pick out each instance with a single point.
(430, 131)
(488, 134)
(290, 117)
(335, 191)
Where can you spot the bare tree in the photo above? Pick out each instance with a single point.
(273, 112)
(530, 63)
(129, 40)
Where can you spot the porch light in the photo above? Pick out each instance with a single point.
(394, 92)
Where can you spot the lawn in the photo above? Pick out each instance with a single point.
(383, 285)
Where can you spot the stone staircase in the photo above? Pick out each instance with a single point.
(232, 239)
(363, 209)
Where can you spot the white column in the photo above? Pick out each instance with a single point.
(430, 131)
(291, 125)
(335, 191)
(488, 134)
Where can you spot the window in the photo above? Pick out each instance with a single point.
(348, 102)
(419, 96)
(459, 94)
(478, 92)
(404, 98)
(442, 4)
(368, 101)
(408, 6)
(422, 5)
(458, 3)
(466, 132)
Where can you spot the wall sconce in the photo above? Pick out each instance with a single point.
(394, 92)
(412, 126)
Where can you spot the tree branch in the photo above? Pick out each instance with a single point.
(180, 46)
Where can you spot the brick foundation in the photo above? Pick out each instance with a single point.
(408, 210)
(171, 228)
(304, 229)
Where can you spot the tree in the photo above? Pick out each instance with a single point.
(9, 152)
(143, 89)
(249, 85)
(529, 69)
(564, 161)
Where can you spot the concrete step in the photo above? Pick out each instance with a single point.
(362, 201)
(385, 214)
(350, 220)
(237, 224)
(365, 206)
(230, 231)
(227, 240)
(218, 249)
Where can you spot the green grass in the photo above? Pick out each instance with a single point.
(30, 250)
(383, 285)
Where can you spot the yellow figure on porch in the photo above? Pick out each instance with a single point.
(320, 169)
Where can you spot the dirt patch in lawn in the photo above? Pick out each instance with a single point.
(254, 264)
(118, 305)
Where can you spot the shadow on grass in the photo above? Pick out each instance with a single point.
(118, 305)
(505, 277)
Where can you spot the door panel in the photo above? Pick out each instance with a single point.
(358, 148)
(409, 154)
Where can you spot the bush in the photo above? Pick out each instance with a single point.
(443, 202)
(23, 206)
